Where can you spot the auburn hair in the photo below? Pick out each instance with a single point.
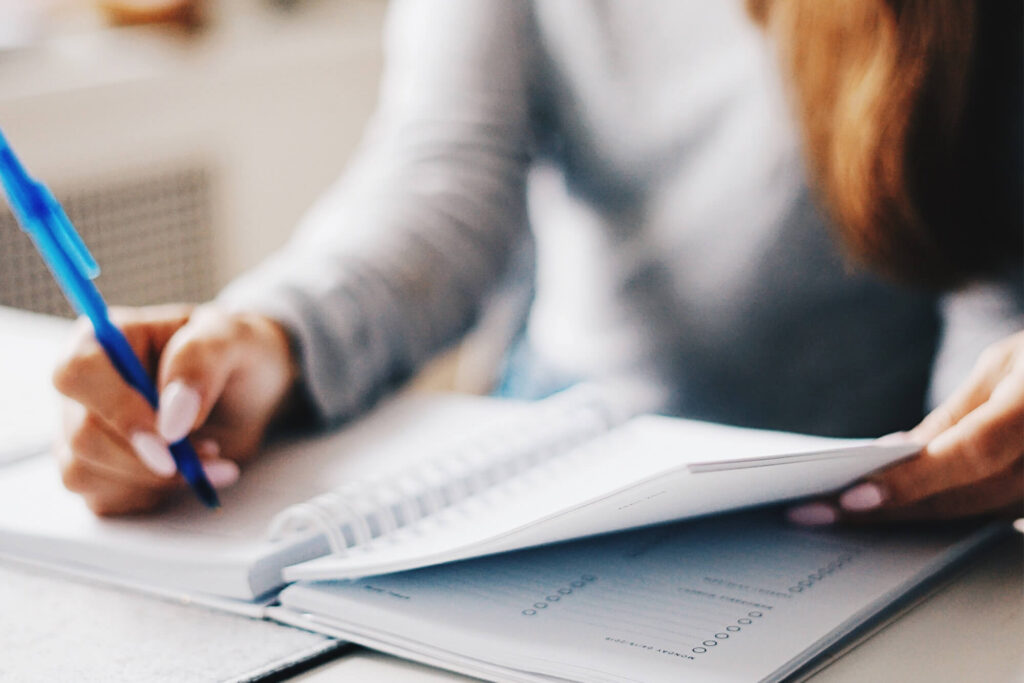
(911, 112)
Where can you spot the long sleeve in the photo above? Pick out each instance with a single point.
(394, 262)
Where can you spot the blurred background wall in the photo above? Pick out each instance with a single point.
(183, 155)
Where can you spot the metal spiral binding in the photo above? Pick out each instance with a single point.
(368, 509)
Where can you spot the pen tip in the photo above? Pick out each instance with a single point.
(206, 493)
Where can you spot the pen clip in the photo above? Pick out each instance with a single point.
(68, 237)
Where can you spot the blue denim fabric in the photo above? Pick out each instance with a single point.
(525, 376)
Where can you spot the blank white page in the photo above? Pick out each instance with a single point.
(29, 347)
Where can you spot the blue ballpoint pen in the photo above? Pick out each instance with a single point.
(67, 257)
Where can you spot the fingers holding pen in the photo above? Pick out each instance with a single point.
(111, 432)
(96, 462)
(88, 378)
(92, 445)
(221, 377)
(224, 375)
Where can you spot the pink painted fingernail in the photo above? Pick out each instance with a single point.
(221, 473)
(862, 497)
(179, 408)
(208, 448)
(153, 453)
(812, 514)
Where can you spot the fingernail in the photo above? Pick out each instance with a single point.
(179, 407)
(866, 496)
(153, 453)
(208, 448)
(221, 473)
(812, 514)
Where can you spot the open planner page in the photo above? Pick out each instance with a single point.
(227, 552)
(738, 597)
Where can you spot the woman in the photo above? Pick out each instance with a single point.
(649, 150)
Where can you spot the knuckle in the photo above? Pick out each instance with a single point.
(74, 474)
(64, 377)
(942, 417)
(248, 328)
(82, 437)
(1015, 380)
(900, 489)
(215, 345)
(78, 440)
(978, 453)
(908, 482)
(121, 503)
(103, 506)
(993, 357)
(72, 375)
(132, 415)
(196, 352)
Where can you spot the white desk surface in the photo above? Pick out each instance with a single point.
(970, 629)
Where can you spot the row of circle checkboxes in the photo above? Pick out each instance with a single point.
(559, 594)
(732, 628)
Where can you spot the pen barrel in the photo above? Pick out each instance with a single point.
(125, 361)
(188, 465)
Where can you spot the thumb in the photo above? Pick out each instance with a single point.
(194, 369)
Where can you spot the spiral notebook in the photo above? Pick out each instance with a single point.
(425, 480)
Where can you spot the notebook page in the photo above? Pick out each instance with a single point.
(634, 475)
(189, 547)
(722, 599)
(29, 347)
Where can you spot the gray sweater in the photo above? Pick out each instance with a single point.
(642, 156)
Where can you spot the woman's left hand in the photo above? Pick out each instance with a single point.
(971, 463)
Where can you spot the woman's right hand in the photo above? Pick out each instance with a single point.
(222, 377)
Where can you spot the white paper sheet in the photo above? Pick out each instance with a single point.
(638, 474)
(29, 347)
